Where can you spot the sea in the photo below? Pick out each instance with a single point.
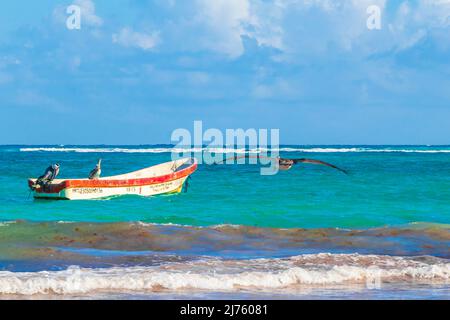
(312, 232)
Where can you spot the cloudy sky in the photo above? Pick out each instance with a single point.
(138, 69)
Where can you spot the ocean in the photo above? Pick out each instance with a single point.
(380, 232)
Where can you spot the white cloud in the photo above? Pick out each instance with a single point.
(413, 24)
(287, 25)
(300, 29)
(436, 12)
(129, 38)
(8, 61)
(225, 19)
(311, 28)
(88, 15)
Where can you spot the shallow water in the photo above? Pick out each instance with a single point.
(392, 210)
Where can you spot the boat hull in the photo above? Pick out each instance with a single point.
(167, 183)
(98, 192)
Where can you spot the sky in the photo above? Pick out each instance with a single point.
(136, 70)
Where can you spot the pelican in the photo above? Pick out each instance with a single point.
(95, 173)
(49, 175)
(285, 164)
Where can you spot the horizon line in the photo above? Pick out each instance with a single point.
(193, 146)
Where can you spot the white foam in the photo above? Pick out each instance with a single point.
(225, 275)
(6, 223)
(171, 224)
(231, 150)
(349, 150)
(140, 150)
(104, 150)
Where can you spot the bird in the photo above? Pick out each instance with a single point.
(285, 164)
(95, 173)
(49, 175)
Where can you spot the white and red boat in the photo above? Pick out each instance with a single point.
(164, 178)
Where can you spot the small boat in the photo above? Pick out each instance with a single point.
(163, 178)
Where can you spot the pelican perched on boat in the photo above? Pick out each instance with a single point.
(49, 175)
(96, 172)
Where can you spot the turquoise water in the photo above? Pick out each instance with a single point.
(313, 225)
(386, 188)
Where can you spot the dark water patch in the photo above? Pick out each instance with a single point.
(137, 243)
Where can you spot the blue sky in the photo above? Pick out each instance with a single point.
(137, 70)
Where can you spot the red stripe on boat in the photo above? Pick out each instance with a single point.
(57, 188)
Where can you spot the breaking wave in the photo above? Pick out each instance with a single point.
(235, 150)
(232, 275)
(137, 150)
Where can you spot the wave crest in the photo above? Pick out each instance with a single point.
(233, 150)
(231, 275)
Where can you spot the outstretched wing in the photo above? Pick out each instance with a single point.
(301, 160)
(313, 161)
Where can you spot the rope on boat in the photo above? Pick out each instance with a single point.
(186, 184)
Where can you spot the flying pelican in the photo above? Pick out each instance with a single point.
(286, 163)
(95, 173)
